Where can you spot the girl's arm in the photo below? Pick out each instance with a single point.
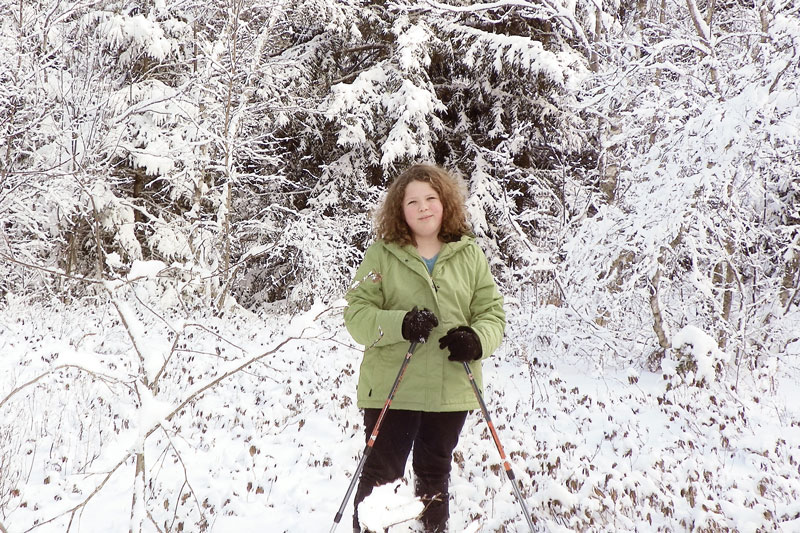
(365, 317)
(486, 308)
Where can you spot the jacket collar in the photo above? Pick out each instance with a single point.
(409, 252)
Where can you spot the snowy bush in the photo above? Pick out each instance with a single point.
(275, 443)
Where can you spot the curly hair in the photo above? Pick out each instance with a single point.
(391, 224)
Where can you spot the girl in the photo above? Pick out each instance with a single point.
(424, 278)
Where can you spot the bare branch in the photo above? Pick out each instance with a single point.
(123, 317)
(85, 502)
(185, 477)
(53, 370)
(154, 384)
(213, 383)
(82, 279)
(153, 520)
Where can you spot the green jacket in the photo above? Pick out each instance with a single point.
(461, 291)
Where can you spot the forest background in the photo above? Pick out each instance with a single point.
(185, 192)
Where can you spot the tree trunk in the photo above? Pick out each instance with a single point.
(727, 302)
(703, 27)
(790, 284)
(137, 504)
(594, 60)
(655, 307)
(229, 136)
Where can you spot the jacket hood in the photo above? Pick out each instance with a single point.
(449, 248)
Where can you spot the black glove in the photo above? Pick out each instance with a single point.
(463, 343)
(417, 325)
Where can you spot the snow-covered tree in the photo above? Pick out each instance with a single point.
(697, 223)
(488, 91)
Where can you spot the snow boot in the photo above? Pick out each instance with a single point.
(437, 506)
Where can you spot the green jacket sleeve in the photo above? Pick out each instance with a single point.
(365, 317)
(486, 308)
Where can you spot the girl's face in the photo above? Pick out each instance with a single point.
(422, 209)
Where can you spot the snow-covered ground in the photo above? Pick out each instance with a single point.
(272, 446)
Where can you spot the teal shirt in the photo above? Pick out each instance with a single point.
(430, 262)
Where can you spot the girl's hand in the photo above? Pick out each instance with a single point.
(463, 344)
(417, 325)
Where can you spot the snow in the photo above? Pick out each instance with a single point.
(146, 269)
(702, 347)
(411, 44)
(389, 505)
(275, 445)
(515, 51)
(139, 30)
(150, 160)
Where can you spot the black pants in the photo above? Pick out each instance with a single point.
(433, 437)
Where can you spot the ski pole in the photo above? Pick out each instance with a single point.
(506, 464)
(374, 435)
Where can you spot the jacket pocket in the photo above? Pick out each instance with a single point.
(456, 388)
